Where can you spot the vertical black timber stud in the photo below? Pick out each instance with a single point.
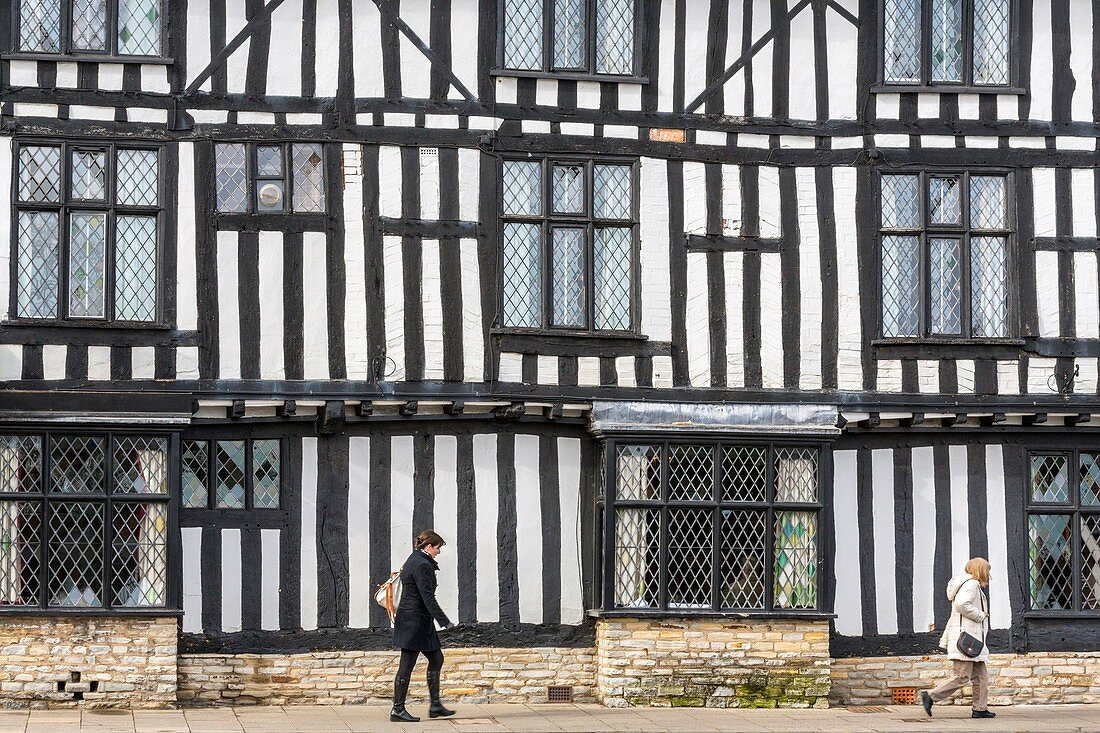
(1016, 473)
(7, 40)
(550, 508)
(792, 290)
(677, 259)
(821, 68)
(746, 45)
(679, 44)
(827, 552)
(903, 535)
(334, 257)
(651, 55)
(251, 591)
(121, 363)
(717, 33)
(332, 530)
(309, 48)
(466, 524)
(218, 80)
(206, 258)
(164, 357)
(248, 297)
(176, 13)
(293, 306)
(379, 502)
(941, 563)
(259, 45)
(450, 264)
(977, 499)
(1063, 226)
(750, 291)
(868, 604)
(423, 482)
(76, 362)
(1062, 80)
(1025, 265)
(830, 291)
(781, 65)
(868, 275)
(591, 533)
(439, 39)
(345, 91)
(391, 57)
(508, 553)
(32, 361)
(412, 266)
(290, 540)
(1023, 56)
(716, 270)
(211, 579)
(374, 275)
(486, 53)
(487, 258)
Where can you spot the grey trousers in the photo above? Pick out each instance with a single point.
(965, 672)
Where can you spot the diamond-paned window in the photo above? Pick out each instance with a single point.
(680, 544)
(935, 228)
(84, 520)
(571, 267)
(119, 28)
(280, 178)
(964, 44)
(107, 246)
(1063, 532)
(595, 37)
(231, 474)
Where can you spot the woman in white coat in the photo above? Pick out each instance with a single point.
(970, 614)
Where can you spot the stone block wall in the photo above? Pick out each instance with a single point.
(94, 662)
(1014, 679)
(338, 678)
(712, 662)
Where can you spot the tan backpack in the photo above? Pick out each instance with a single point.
(388, 594)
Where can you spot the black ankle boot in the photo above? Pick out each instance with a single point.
(983, 714)
(436, 710)
(400, 690)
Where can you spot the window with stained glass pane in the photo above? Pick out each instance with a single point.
(273, 178)
(80, 253)
(713, 526)
(123, 28)
(567, 245)
(231, 474)
(586, 37)
(958, 32)
(935, 228)
(86, 499)
(1063, 531)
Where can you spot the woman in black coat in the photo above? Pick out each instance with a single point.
(413, 630)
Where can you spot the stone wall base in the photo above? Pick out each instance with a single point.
(1015, 679)
(712, 662)
(87, 662)
(338, 678)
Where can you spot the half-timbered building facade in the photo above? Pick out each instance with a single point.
(713, 335)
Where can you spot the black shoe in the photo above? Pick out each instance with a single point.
(983, 714)
(436, 710)
(398, 714)
(926, 701)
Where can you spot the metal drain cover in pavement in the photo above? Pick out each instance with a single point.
(867, 709)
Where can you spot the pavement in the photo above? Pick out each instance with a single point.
(553, 719)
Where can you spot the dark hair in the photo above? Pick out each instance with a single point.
(429, 537)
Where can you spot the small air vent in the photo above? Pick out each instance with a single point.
(903, 695)
(559, 693)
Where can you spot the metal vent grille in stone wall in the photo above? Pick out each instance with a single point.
(559, 693)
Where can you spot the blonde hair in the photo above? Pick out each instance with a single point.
(978, 567)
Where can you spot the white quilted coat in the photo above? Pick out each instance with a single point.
(969, 613)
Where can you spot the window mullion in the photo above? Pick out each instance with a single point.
(63, 233)
(44, 550)
(548, 35)
(769, 530)
(107, 514)
(66, 36)
(112, 27)
(249, 473)
(663, 578)
(926, 43)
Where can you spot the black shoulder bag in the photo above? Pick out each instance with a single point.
(967, 644)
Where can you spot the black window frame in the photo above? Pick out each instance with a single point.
(249, 473)
(964, 232)
(967, 84)
(608, 502)
(548, 220)
(581, 73)
(67, 205)
(110, 54)
(106, 499)
(253, 179)
(1073, 509)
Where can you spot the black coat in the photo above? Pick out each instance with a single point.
(412, 627)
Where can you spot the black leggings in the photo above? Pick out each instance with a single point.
(408, 661)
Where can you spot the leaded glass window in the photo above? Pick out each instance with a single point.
(1063, 531)
(595, 37)
(84, 520)
(231, 474)
(568, 245)
(271, 179)
(119, 28)
(89, 219)
(945, 247)
(947, 42)
(709, 525)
